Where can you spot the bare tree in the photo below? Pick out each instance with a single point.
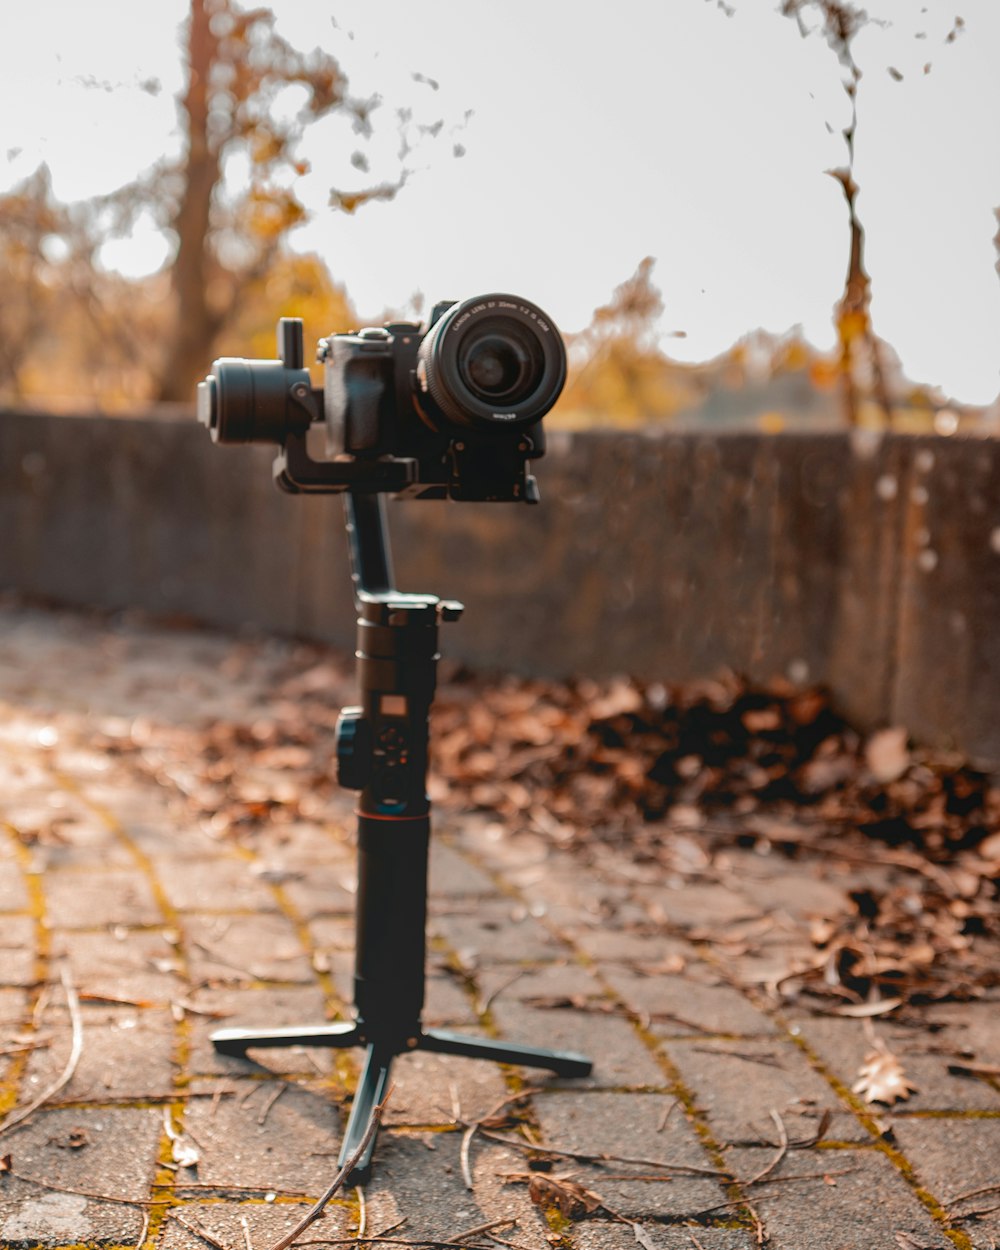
(237, 67)
(840, 23)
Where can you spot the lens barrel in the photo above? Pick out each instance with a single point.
(253, 401)
(493, 361)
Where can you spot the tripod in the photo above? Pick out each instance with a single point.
(382, 750)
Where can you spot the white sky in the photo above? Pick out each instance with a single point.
(599, 134)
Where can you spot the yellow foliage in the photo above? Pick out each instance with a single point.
(296, 286)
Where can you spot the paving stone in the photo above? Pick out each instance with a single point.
(243, 949)
(493, 931)
(17, 951)
(320, 890)
(685, 1003)
(118, 1160)
(687, 906)
(737, 1085)
(290, 1144)
(554, 983)
(863, 1203)
(266, 1223)
(136, 964)
(571, 897)
(89, 899)
(13, 889)
(630, 1125)
(446, 1003)
(434, 1089)
(451, 875)
(636, 947)
(217, 884)
(800, 891)
(952, 1157)
(321, 840)
(418, 1178)
(127, 1053)
(610, 1042)
(843, 1044)
(13, 1005)
(597, 1234)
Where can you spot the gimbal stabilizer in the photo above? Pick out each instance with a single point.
(382, 751)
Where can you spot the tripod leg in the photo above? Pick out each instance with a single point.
(239, 1041)
(371, 1090)
(561, 1062)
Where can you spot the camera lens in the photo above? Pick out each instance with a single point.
(500, 362)
(493, 361)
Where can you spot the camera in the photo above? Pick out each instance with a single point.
(450, 410)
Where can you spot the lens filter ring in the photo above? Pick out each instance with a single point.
(493, 361)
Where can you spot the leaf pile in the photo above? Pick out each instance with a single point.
(608, 760)
(674, 776)
(748, 765)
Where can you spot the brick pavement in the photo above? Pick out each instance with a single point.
(163, 927)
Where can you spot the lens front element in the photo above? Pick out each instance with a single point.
(493, 360)
(500, 362)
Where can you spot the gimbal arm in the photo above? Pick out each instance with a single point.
(368, 538)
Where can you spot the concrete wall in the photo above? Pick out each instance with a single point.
(870, 564)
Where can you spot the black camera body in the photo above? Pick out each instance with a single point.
(450, 411)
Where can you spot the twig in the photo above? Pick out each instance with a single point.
(973, 1193)
(145, 1230)
(467, 1137)
(246, 1232)
(478, 1231)
(76, 1049)
(668, 1112)
(782, 1150)
(362, 1212)
(976, 1213)
(687, 1169)
(200, 1232)
(85, 1193)
(495, 994)
(474, 1125)
(316, 1210)
(24, 1046)
(263, 1113)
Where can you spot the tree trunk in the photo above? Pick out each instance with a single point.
(196, 325)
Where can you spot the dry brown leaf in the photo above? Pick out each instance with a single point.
(861, 1011)
(881, 1078)
(887, 755)
(575, 1202)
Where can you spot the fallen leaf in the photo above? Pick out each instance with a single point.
(881, 1078)
(886, 754)
(572, 1199)
(860, 1011)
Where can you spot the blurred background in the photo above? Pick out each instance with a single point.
(748, 213)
